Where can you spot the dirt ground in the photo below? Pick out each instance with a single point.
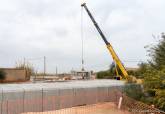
(104, 108)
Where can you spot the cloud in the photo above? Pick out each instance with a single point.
(51, 28)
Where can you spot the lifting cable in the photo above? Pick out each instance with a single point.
(82, 40)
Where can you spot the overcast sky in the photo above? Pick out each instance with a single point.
(52, 28)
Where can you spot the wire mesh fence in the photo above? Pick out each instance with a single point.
(137, 107)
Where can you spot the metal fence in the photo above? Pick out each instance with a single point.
(137, 107)
(61, 101)
(12, 102)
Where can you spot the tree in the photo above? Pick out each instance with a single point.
(143, 67)
(154, 75)
(154, 83)
(2, 75)
(108, 74)
(28, 67)
(157, 54)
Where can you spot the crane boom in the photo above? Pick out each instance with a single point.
(109, 46)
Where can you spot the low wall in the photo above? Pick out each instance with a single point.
(15, 75)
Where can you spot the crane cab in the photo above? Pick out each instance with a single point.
(117, 77)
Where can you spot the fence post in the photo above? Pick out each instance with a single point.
(42, 100)
(74, 97)
(23, 100)
(2, 102)
(7, 107)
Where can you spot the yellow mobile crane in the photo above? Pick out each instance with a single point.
(109, 46)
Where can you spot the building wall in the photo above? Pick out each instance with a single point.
(15, 75)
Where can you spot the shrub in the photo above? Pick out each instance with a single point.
(104, 75)
(2, 75)
(134, 91)
(28, 67)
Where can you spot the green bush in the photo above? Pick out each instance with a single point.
(104, 75)
(110, 73)
(151, 92)
(134, 91)
(159, 100)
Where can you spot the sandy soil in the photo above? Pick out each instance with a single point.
(104, 108)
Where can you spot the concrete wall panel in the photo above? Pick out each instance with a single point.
(91, 95)
(79, 98)
(51, 100)
(66, 98)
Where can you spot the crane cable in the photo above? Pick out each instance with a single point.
(82, 40)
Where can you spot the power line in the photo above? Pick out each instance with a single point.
(108, 64)
(132, 61)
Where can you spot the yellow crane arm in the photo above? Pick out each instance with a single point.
(109, 46)
(117, 60)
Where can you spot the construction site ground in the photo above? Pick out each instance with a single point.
(102, 108)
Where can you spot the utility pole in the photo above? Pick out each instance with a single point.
(44, 66)
(24, 62)
(56, 71)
